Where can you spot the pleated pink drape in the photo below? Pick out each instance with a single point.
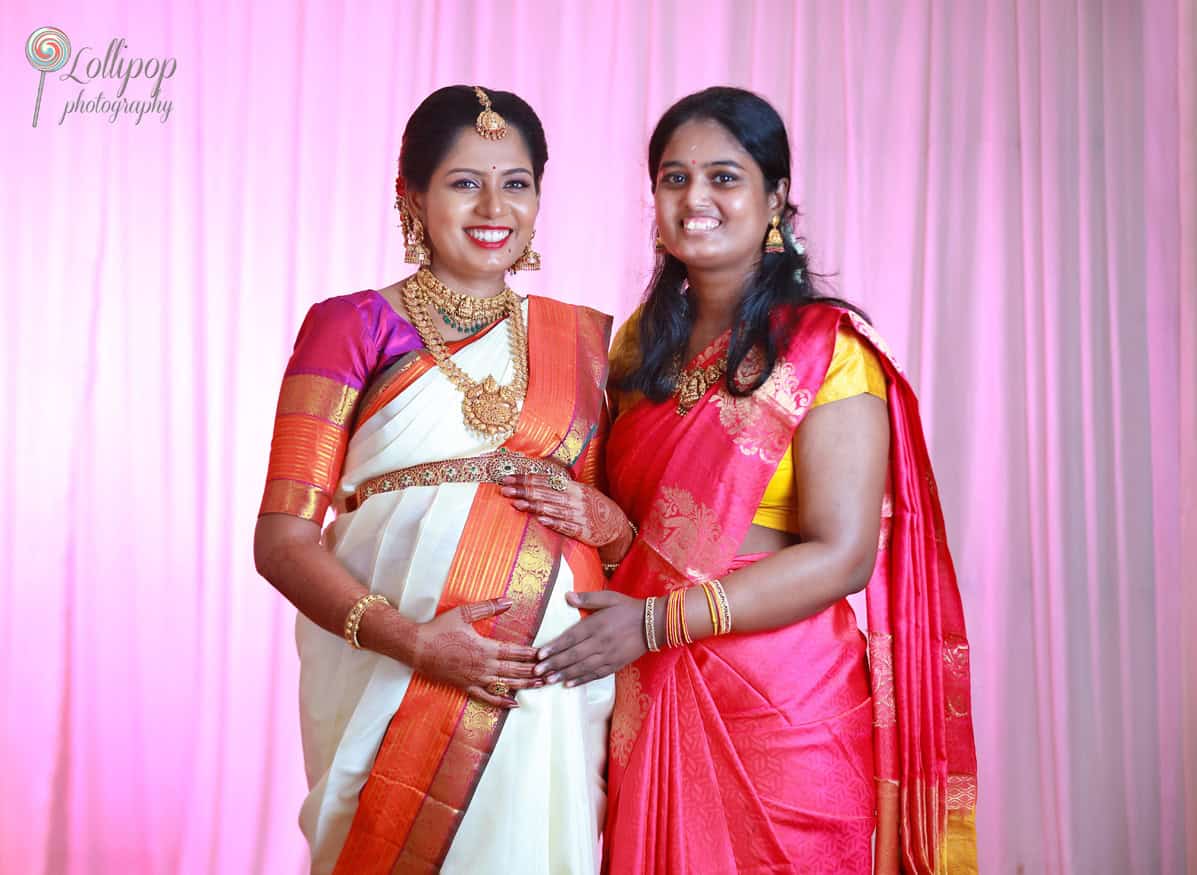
(1007, 187)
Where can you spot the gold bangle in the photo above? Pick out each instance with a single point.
(650, 624)
(681, 617)
(724, 607)
(674, 608)
(676, 601)
(610, 568)
(669, 620)
(711, 606)
(354, 618)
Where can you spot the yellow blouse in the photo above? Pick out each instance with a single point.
(854, 371)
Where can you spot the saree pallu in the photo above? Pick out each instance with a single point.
(408, 775)
(779, 751)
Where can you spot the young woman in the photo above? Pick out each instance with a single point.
(421, 609)
(769, 451)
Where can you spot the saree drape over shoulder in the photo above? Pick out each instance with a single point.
(405, 774)
(781, 751)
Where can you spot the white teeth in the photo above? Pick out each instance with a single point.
(700, 224)
(488, 236)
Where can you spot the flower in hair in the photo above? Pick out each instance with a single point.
(788, 230)
(400, 191)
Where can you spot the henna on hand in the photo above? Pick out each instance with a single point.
(605, 522)
(580, 512)
(447, 654)
(476, 611)
(449, 649)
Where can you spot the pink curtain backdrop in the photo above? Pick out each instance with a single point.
(1008, 187)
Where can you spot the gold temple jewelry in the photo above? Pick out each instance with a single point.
(486, 468)
(490, 410)
(489, 123)
(415, 247)
(498, 688)
(773, 242)
(468, 313)
(650, 624)
(354, 618)
(692, 385)
(528, 260)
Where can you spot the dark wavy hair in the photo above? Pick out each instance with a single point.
(781, 284)
(441, 117)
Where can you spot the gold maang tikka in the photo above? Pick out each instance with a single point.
(489, 123)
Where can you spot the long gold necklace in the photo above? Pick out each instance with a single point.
(490, 410)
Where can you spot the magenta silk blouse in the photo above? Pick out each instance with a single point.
(343, 343)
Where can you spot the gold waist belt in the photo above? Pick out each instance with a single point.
(487, 468)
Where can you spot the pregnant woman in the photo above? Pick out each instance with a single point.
(429, 743)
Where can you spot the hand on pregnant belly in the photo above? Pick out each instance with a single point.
(576, 510)
(449, 649)
(599, 645)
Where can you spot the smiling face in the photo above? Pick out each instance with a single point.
(712, 207)
(479, 210)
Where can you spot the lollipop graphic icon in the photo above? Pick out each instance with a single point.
(47, 50)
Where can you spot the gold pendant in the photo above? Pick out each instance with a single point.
(693, 385)
(490, 408)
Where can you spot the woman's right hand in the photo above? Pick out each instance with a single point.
(448, 648)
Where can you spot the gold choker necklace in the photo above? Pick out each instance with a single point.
(490, 410)
(461, 311)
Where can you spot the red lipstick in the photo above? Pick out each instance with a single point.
(489, 236)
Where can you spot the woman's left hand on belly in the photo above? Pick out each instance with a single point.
(599, 645)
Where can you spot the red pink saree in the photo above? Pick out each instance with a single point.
(782, 751)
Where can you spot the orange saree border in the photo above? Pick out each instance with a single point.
(401, 781)
(552, 370)
(438, 743)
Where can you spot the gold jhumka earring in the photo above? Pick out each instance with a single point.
(415, 248)
(529, 260)
(658, 244)
(773, 242)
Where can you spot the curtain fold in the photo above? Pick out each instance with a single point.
(1008, 187)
